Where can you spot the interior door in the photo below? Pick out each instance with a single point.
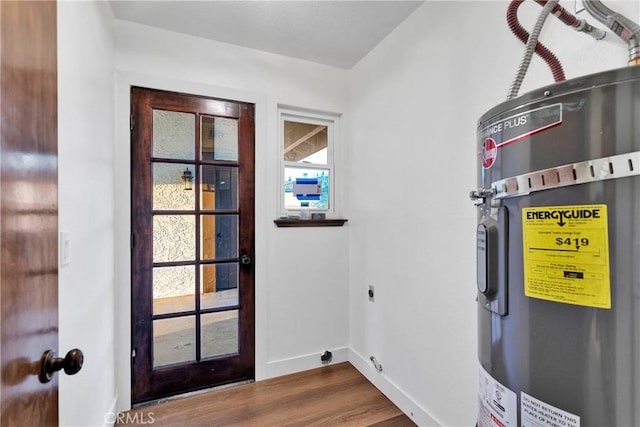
(192, 242)
(29, 210)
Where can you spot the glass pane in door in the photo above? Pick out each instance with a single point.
(219, 138)
(219, 285)
(174, 340)
(174, 135)
(219, 236)
(219, 189)
(170, 189)
(219, 333)
(174, 238)
(174, 289)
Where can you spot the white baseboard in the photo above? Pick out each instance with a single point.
(366, 368)
(111, 416)
(305, 362)
(407, 405)
(311, 361)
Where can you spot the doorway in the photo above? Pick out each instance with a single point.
(192, 221)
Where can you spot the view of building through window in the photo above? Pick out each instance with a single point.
(307, 154)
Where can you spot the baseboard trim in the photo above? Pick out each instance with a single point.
(111, 416)
(305, 362)
(407, 405)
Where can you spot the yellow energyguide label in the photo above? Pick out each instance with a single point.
(566, 254)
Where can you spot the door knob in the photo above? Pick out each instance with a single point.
(49, 364)
(245, 259)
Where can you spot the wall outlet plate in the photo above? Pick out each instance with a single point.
(65, 248)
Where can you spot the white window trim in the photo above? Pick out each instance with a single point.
(303, 115)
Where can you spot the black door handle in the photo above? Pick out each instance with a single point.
(50, 364)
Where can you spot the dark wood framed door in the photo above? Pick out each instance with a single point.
(29, 210)
(192, 187)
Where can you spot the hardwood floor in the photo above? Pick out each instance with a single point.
(335, 395)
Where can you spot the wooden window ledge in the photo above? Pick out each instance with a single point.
(290, 222)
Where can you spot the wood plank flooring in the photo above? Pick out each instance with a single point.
(335, 395)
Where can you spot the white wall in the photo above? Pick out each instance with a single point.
(415, 99)
(85, 179)
(301, 274)
(414, 104)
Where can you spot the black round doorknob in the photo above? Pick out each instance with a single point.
(50, 364)
(245, 259)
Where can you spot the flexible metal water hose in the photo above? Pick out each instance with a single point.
(561, 13)
(530, 48)
(622, 26)
(564, 16)
(540, 49)
(574, 22)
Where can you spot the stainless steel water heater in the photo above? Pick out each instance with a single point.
(558, 255)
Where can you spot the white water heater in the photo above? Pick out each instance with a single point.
(558, 255)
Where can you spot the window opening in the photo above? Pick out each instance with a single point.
(307, 171)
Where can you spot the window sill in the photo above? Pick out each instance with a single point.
(287, 222)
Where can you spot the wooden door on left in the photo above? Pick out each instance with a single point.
(28, 212)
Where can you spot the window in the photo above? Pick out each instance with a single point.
(307, 172)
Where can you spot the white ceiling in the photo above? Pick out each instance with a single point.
(337, 33)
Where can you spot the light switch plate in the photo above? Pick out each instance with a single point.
(65, 248)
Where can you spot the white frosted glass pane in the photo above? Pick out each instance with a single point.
(225, 135)
(219, 138)
(174, 135)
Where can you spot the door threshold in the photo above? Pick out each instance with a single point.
(189, 394)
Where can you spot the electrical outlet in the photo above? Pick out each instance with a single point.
(371, 293)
